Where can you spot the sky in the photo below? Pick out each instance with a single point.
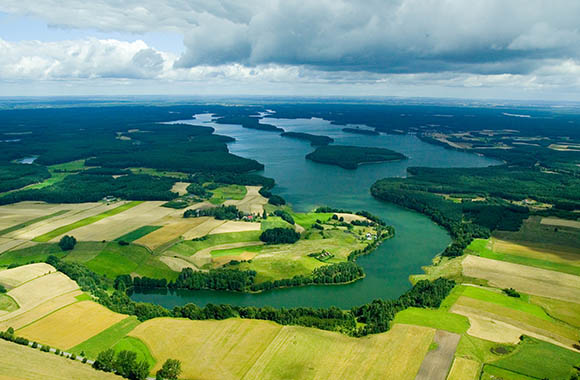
(516, 49)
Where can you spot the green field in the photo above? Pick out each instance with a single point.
(72, 166)
(236, 251)
(116, 259)
(85, 222)
(224, 193)
(27, 255)
(520, 304)
(479, 247)
(7, 303)
(130, 343)
(32, 221)
(480, 350)
(106, 339)
(494, 373)
(568, 312)
(306, 220)
(557, 362)
(274, 222)
(188, 248)
(437, 319)
(137, 234)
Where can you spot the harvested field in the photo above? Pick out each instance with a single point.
(234, 226)
(252, 349)
(37, 291)
(523, 278)
(464, 369)
(553, 331)
(253, 202)
(560, 222)
(71, 325)
(77, 212)
(489, 329)
(437, 362)
(177, 264)
(202, 226)
(19, 362)
(17, 213)
(350, 217)
(14, 277)
(180, 188)
(166, 234)
(18, 319)
(8, 244)
(56, 233)
(146, 213)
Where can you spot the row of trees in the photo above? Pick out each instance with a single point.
(220, 213)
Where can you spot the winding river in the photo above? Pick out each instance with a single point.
(306, 184)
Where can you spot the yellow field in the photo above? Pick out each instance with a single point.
(18, 318)
(253, 202)
(16, 213)
(19, 362)
(205, 225)
(488, 328)
(77, 212)
(568, 312)
(180, 188)
(110, 228)
(464, 369)
(550, 252)
(171, 231)
(71, 325)
(14, 277)
(252, 349)
(37, 291)
(235, 226)
(523, 278)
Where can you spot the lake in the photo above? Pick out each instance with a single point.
(306, 185)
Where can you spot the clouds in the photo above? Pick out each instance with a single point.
(472, 43)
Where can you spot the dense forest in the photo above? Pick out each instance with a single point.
(350, 157)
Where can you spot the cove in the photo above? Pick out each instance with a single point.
(306, 185)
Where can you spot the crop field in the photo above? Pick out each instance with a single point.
(33, 293)
(19, 363)
(557, 258)
(117, 259)
(14, 277)
(84, 222)
(201, 227)
(7, 304)
(8, 244)
(274, 222)
(557, 362)
(437, 319)
(188, 248)
(29, 254)
(71, 325)
(165, 234)
(137, 234)
(252, 349)
(19, 318)
(560, 222)
(180, 188)
(106, 338)
(306, 220)
(543, 327)
(464, 369)
(252, 203)
(235, 226)
(19, 215)
(112, 227)
(533, 231)
(523, 278)
(438, 360)
(568, 312)
(230, 192)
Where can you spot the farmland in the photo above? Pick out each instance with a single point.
(260, 349)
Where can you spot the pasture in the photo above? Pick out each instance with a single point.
(137, 234)
(252, 349)
(18, 363)
(568, 312)
(229, 192)
(71, 325)
(437, 319)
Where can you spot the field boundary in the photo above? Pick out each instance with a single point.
(31, 221)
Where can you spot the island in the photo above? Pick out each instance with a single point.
(314, 139)
(350, 157)
(361, 131)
